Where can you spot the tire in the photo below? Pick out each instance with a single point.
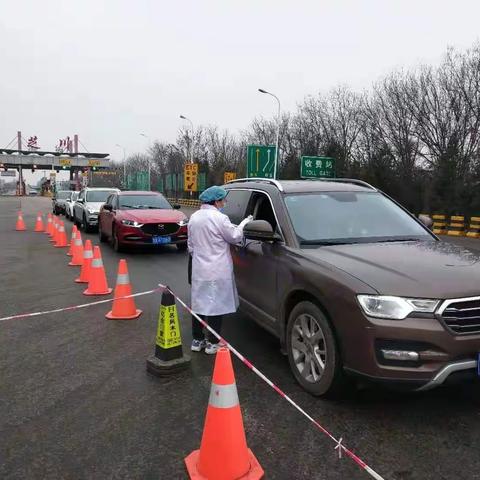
(101, 236)
(310, 344)
(182, 247)
(86, 226)
(116, 244)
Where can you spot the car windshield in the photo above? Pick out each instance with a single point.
(332, 218)
(143, 202)
(98, 195)
(63, 195)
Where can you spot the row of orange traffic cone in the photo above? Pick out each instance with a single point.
(223, 452)
(92, 271)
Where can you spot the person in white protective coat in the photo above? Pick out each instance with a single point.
(214, 292)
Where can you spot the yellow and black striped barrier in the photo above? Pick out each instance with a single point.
(185, 202)
(456, 228)
(439, 224)
(474, 228)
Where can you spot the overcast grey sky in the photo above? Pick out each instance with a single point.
(109, 70)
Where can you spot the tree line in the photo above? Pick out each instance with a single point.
(415, 135)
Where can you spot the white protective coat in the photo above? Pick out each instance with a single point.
(210, 234)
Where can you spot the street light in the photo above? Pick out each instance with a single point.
(124, 166)
(191, 146)
(149, 163)
(261, 90)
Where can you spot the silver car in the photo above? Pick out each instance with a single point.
(87, 206)
(69, 205)
(59, 200)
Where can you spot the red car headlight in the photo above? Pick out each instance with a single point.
(132, 223)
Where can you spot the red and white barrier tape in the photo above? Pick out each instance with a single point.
(339, 445)
(77, 307)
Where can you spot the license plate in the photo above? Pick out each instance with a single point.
(161, 240)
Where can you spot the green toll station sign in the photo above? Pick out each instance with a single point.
(317, 167)
(260, 161)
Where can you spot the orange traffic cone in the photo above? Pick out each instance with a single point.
(123, 308)
(62, 237)
(39, 225)
(97, 283)
(53, 239)
(72, 241)
(87, 262)
(20, 227)
(48, 230)
(223, 453)
(77, 251)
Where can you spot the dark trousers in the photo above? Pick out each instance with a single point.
(214, 322)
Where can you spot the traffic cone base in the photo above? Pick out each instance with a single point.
(165, 368)
(106, 292)
(110, 316)
(254, 473)
(123, 308)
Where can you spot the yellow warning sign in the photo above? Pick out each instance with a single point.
(168, 331)
(190, 177)
(229, 176)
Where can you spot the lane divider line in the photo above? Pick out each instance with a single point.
(339, 445)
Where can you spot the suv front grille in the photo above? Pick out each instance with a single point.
(160, 228)
(462, 316)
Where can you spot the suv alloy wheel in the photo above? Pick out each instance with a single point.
(312, 351)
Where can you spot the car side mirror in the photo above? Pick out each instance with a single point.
(107, 207)
(177, 206)
(260, 230)
(426, 220)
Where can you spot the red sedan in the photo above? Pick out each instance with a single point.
(141, 218)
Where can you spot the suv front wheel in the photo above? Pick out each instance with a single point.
(312, 351)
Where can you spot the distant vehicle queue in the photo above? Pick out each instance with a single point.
(125, 219)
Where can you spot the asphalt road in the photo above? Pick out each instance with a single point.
(77, 403)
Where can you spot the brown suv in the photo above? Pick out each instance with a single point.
(353, 284)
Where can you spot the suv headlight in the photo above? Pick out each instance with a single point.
(394, 308)
(183, 223)
(132, 223)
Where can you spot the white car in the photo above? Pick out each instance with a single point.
(87, 206)
(69, 205)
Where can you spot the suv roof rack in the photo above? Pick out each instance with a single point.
(353, 181)
(257, 179)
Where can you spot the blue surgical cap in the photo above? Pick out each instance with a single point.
(213, 194)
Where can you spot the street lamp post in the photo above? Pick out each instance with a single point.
(278, 131)
(124, 166)
(149, 162)
(191, 142)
